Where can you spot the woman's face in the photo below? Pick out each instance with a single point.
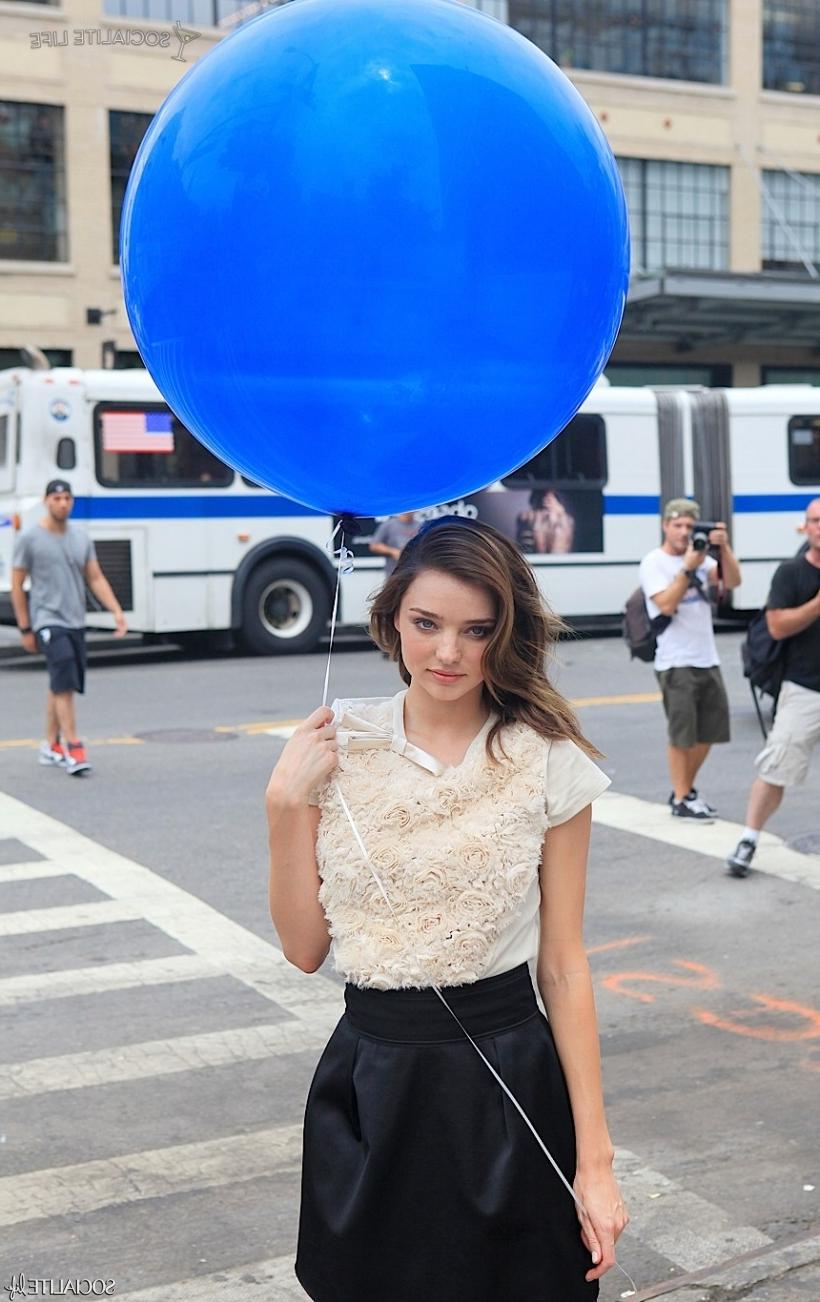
(444, 626)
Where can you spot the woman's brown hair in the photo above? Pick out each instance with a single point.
(525, 634)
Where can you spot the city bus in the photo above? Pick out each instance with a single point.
(191, 547)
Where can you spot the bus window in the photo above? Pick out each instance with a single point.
(804, 449)
(143, 446)
(576, 458)
(66, 454)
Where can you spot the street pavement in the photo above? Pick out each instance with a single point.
(157, 1047)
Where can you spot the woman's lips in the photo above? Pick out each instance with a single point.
(445, 677)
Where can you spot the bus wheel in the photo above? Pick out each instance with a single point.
(285, 608)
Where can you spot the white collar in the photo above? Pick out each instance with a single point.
(357, 733)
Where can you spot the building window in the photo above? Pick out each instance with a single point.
(632, 374)
(145, 446)
(199, 13)
(127, 359)
(791, 46)
(125, 133)
(678, 214)
(682, 40)
(32, 182)
(790, 375)
(791, 220)
(14, 357)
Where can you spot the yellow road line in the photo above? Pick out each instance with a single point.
(251, 729)
(261, 728)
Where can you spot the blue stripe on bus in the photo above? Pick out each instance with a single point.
(749, 503)
(186, 508)
(742, 503)
(227, 506)
(205, 505)
(615, 504)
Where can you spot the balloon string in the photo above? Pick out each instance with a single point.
(344, 558)
(491, 1069)
(335, 612)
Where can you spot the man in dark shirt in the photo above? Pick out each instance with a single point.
(793, 616)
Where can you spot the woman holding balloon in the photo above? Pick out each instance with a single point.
(410, 260)
(440, 838)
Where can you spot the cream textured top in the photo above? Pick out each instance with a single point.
(456, 848)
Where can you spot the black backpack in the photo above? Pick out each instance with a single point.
(764, 662)
(640, 632)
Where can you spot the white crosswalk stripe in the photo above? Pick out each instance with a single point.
(70, 982)
(676, 1224)
(179, 1168)
(25, 922)
(130, 1062)
(226, 945)
(270, 1281)
(24, 872)
(717, 840)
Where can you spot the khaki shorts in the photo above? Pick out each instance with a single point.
(696, 705)
(784, 760)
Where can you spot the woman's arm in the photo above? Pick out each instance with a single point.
(305, 763)
(566, 988)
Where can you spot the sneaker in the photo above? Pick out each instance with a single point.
(698, 806)
(691, 809)
(76, 761)
(694, 795)
(741, 861)
(52, 756)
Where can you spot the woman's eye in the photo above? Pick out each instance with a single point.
(480, 630)
(424, 624)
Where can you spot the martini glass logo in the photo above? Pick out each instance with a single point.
(184, 37)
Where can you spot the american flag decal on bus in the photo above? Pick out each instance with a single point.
(137, 431)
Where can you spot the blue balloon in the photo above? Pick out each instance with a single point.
(375, 255)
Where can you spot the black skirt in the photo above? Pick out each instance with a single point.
(420, 1182)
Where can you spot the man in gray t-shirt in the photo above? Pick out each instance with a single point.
(59, 560)
(392, 536)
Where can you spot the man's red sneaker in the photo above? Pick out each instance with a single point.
(76, 761)
(52, 756)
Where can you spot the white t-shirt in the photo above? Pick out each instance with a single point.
(690, 638)
(457, 848)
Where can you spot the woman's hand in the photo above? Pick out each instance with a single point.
(306, 762)
(603, 1218)
(562, 524)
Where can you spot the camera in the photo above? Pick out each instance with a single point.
(699, 540)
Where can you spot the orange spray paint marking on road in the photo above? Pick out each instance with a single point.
(784, 1034)
(701, 978)
(618, 944)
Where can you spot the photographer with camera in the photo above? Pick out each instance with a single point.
(675, 579)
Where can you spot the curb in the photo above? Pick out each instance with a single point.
(791, 1262)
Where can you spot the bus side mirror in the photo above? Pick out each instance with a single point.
(66, 454)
